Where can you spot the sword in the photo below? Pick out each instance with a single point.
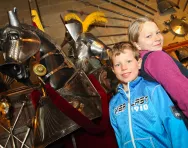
(137, 7)
(90, 4)
(108, 17)
(146, 5)
(123, 7)
(185, 5)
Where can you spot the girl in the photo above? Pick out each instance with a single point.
(158, 65)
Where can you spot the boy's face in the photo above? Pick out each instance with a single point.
(125, 66)
(150, 37)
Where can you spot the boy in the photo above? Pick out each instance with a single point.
(141, 111)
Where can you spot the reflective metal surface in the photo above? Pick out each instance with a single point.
(18, 44)
(52, 124)
(73, 85)
(182, 53)
(166, 5)
(16, 133)
(179, 27)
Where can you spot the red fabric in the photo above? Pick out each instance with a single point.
(34, 24)
(71, 112)
(107, 140)
(104, 100)
(86, 140)
(35, 97)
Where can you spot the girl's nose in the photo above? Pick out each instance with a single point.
(157, 37)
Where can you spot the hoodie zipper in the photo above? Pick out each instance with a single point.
(130, 118)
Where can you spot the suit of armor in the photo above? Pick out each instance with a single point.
(66, 83)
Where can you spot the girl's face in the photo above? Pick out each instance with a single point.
(150, 37)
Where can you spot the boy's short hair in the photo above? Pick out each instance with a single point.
(120, 47)
(135, 28)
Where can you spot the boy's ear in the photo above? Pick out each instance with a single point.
(112, 69)
(139, 63)
(137, 46)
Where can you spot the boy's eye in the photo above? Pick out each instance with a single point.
(116, 65)
(129, 61)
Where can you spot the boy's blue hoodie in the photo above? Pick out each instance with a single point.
(146, 117)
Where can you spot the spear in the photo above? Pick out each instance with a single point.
(146, 5)
(185, 5)
(137, 7)
(123, 7)
(108, 17)
(109, 10)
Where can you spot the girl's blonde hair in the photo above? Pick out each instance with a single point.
(135, 28)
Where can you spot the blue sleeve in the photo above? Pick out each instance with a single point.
(115, 126)
(174, 125)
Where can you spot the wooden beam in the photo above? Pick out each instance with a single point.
(174, 46)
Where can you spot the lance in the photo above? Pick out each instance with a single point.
(138, 7)
(123, 7)
(146, 5)
(90, 4)
(101, 36)
(108, 17)
(185, 5)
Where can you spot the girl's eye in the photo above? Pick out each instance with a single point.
(148, 36)
(158, 32)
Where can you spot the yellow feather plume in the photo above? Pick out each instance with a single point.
(73, 16)
(94, 18)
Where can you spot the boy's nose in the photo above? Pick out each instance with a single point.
(124, 67)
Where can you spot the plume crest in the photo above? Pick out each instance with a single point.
(93, 18)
